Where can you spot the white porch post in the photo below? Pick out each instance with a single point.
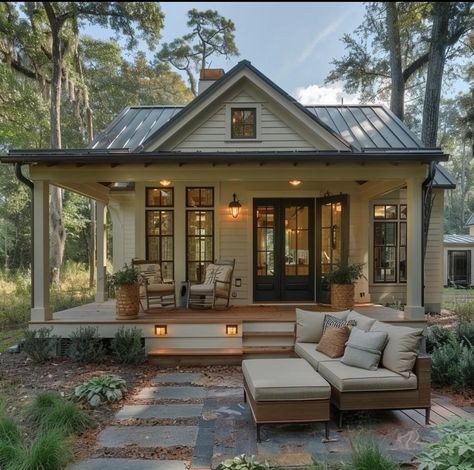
(101, 246)
(414, 308)
(41, 310)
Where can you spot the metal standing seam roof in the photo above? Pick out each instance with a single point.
(470, 221)
(366, 127)
(444, 180)
(458, 239)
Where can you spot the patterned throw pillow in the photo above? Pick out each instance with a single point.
(333, 341)
(334, 322)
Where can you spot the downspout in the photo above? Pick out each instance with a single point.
(23, 179)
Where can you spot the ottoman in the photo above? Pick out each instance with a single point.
(285, 391)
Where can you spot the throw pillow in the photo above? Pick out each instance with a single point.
(402, 348)
(330, 321)
(362, 322)
(333, 341)
(364, 348)
(309, 325)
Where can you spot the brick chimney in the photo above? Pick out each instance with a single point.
(208, 77)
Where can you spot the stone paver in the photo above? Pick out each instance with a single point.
(148, 436)
(159, 411)
(172, 393)
(129, 464)
(223, 392)
(177, 378)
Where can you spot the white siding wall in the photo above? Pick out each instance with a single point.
(212, 136)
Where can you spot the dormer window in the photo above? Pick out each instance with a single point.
(243, 123)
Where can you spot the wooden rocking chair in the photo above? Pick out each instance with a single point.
(217, 285)
(154, 292)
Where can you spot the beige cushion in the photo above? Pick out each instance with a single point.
(284, 379)
(333, 341)
(308, 351)
(217, 272)
(160, 288)
(364, 348)
(362, 322)
(206, 289)
(353, 379)
(309, 325)
(402, 348)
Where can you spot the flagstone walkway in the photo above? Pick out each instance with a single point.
(181, 422)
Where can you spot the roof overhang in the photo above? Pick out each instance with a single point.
(121, 157)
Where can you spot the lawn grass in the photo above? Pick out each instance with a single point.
(10, 336)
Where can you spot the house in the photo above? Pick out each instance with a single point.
(318, 186)
(458, 258)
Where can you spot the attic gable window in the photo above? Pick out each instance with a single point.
(243, 123)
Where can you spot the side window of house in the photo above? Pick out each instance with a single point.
(160, 229)
(390, 243)
(243, 124)
(199, 232)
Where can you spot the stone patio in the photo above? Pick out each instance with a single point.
(214, 424)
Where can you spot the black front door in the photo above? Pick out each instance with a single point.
(283, 249)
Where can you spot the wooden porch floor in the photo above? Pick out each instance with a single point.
(105, 313)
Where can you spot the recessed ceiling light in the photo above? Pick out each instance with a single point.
(165, 183)
(295, 182)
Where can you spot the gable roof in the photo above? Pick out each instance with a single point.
(470, 221)
(444, 180)
(458, 239)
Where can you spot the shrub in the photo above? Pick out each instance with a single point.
(127, 346)
(49, 411)
(466, 369)
(437, 336)
(366, 455)
(454, 450)
(86, 345)
(465, 311)
(445, 363)
(40, 345)
(465, 333)
(103, 387)
(49, 451)
(243, 462)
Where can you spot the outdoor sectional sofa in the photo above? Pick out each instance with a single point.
(402, 380)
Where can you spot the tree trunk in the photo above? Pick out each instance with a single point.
(397, 101)
(57, 231)
(434, 78)
(192, 82)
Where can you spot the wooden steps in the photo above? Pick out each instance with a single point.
(169, 357)
(287, 351)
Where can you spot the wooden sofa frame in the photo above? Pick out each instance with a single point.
(390, 400)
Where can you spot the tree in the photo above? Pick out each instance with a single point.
(211, 34)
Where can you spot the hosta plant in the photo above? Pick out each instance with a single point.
(243, 462)
(108, 388)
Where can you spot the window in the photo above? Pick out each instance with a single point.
(199, 232)
(390, 243)
(160, 229)
(243, 123)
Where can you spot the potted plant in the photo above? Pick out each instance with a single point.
(127, 292)
(342, 282)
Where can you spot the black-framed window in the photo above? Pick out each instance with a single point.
(243, 123)
(199, 243)
(199, 197)
(390, 243)
(160, 240)
(159, 197)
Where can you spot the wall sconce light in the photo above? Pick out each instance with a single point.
(295, 182)
(234, 207)
(231, 330)
(165, 183)
(161, 330)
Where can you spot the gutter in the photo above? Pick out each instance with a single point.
(26, 181)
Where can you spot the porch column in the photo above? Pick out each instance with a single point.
(414, 308)
(101, 247)
(41, 310)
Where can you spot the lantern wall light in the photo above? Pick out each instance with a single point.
(235, 207)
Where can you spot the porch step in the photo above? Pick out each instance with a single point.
(195, 356)
(266, 334)
(260, 351)
(267, 339)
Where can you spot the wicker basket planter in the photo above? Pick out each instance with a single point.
(127, 301)
(342, 296)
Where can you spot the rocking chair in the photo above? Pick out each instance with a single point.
(154, 292)
(217, 285)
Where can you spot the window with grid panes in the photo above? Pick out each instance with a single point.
(199, 232)
(390, 243)
(243, 123)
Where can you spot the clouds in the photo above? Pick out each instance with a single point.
(324, 94)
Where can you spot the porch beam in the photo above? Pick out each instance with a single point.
(93, 190)
(101, 246)
(414, 309)
(41, 309)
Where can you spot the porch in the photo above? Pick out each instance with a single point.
(193, 336)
